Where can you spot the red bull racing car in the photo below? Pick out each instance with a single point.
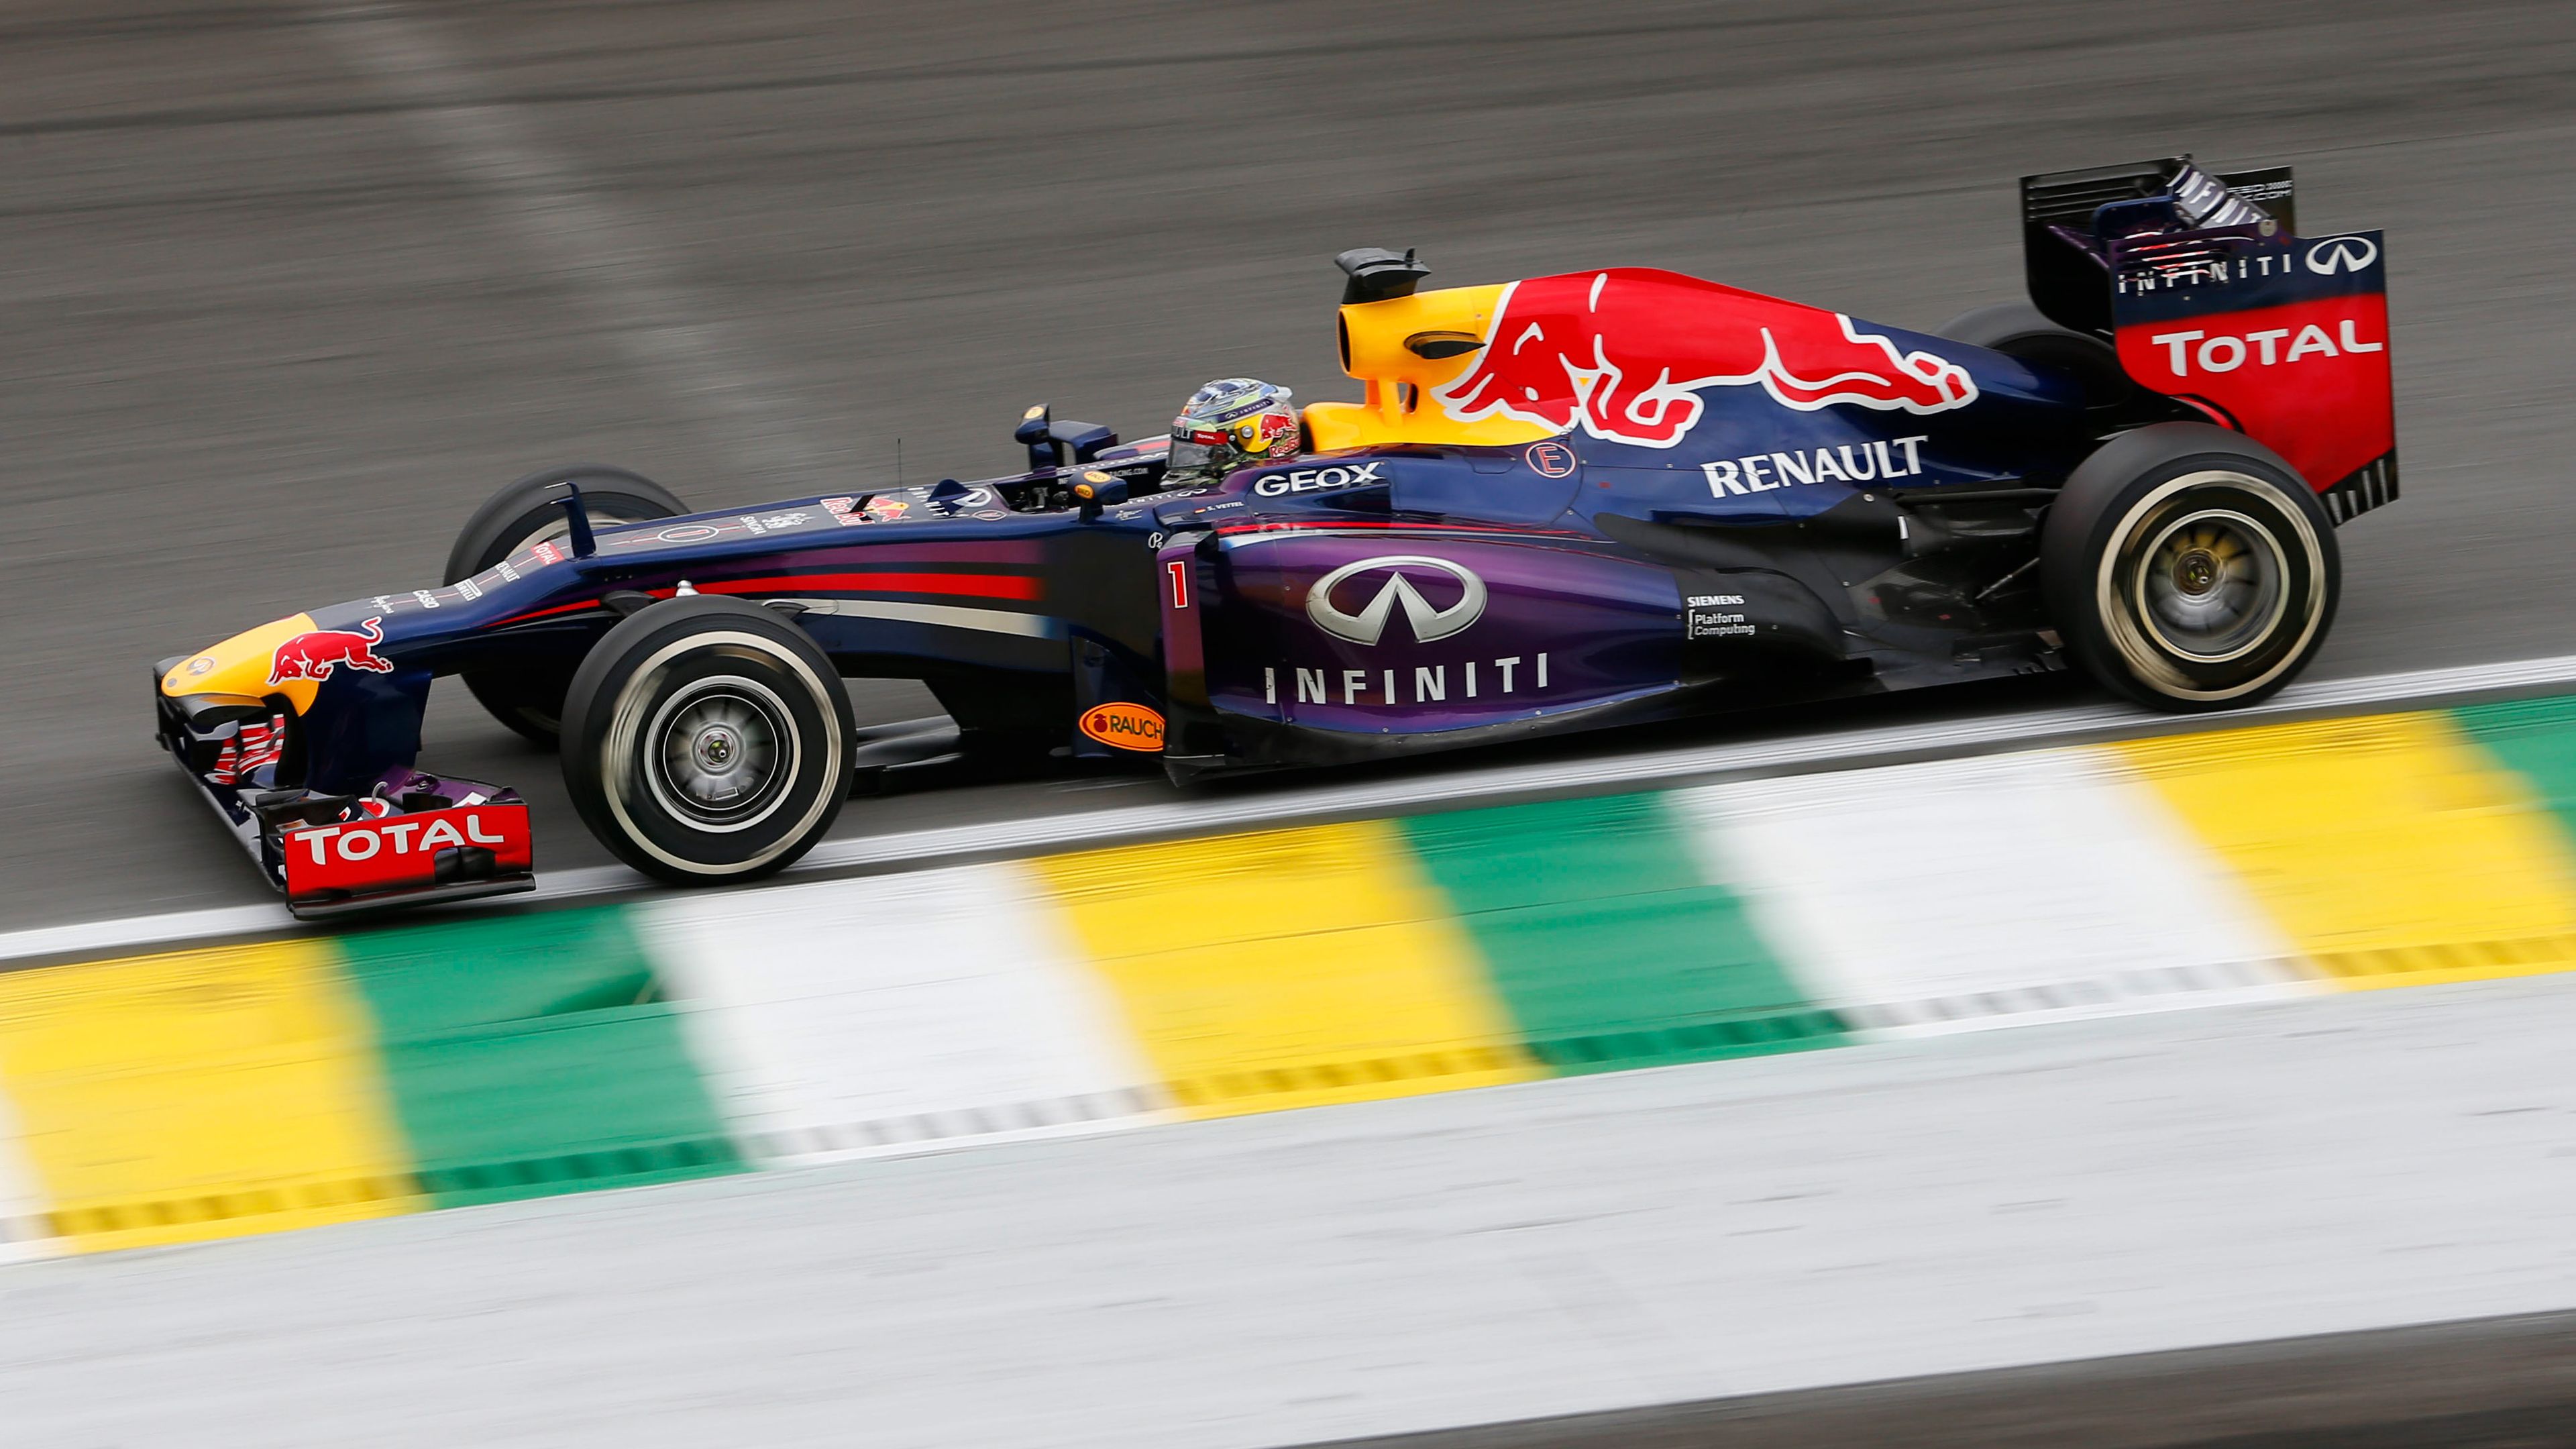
(1563, 503)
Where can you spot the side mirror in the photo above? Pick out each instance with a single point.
(1059, 445)
(1032, 434)
(1097, 490)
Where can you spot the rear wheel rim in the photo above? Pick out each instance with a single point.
(2212, 585)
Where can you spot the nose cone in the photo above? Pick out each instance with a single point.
(242, 664)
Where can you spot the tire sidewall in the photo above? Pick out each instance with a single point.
(518, 512)
(2021, 332)
(530, 701)
(655, 657)
(2094, 554)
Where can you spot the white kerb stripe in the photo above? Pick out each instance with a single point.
(1967, 893)
(856, 1018)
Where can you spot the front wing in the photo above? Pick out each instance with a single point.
(409, 839)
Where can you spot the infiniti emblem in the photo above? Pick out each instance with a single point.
(1369, 623)
(2341, 254)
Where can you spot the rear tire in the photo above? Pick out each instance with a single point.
(2189, 568)
(2020, 331)
(707, 739)
(530, 700)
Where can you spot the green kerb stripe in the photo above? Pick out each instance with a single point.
(2535, 738)
(531, 1055)
(1605, 942)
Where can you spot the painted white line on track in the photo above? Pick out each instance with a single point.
(1642, 769)
(602, 255)
(131, 931)
(1645, 768)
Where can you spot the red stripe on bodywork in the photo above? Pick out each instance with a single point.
(1339, 524)
(990, 553)
(586, 604)
(968, 586)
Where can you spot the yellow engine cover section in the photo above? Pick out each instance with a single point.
(1397, 408)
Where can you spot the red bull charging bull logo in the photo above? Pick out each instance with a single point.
(313, 656)
(1626, 353)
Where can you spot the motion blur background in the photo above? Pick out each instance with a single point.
(289, 288)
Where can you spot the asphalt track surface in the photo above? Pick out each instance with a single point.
(290, 287)
(2075, 1194)
(2504, 1383)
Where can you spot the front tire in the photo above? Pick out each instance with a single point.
(530, 698)
(2190, 568)
(707, 739)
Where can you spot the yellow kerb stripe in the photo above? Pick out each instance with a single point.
(202, 1094)
(1288, 969)
(2391, 848)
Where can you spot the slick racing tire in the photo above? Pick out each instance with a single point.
(530, 699)
(2189, 568)
(707, 739)
(2018, 330)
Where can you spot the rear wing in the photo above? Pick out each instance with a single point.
(2060, 234)
(2211, 298)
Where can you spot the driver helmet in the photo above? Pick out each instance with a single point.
(1234, 422)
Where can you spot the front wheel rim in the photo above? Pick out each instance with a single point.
(719, 753)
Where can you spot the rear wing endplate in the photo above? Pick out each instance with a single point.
(2211, 297)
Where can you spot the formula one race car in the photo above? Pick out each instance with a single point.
(1564, 503)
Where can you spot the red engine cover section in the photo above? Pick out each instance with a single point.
(399, 852)
(2285, 338)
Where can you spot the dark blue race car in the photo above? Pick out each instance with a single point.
(1560, 504)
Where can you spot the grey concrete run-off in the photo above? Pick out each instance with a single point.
(290, 287)
(1884, 1212)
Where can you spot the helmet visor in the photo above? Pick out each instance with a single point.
(1195, 448)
